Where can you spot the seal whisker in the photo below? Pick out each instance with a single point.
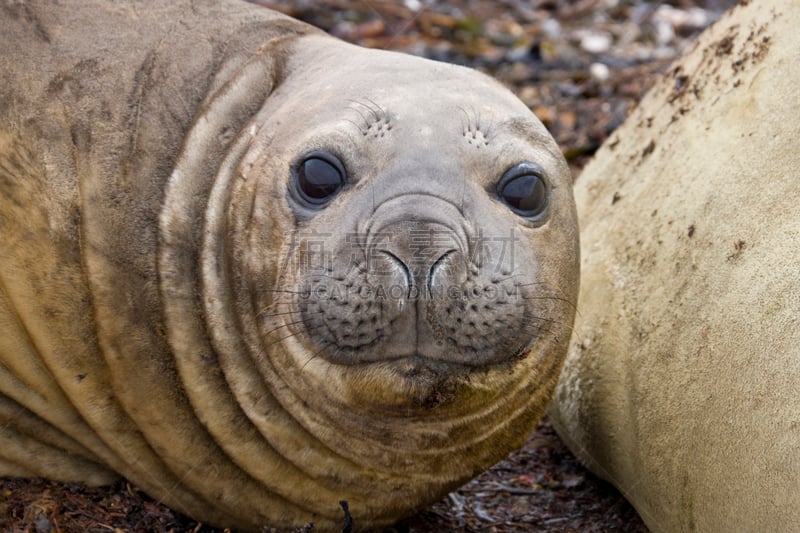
(313, 356)
(465, 123)
(292, 334)
(555, 298)
(547, 284)
(372, 190)
(501, 280)
(262, 315)
(377, 112)
(360, 130)
(564, 299)
(380, 114)
(543, 319)
(338, 350)
(284, 325)
(282, 298)
(463, 195)
(285, 291)
(571, 328)
(529, 284)
(363, 117)
(286, 313)
(487, 132)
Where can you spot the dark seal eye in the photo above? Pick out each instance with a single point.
(524, 190)
(320, 176)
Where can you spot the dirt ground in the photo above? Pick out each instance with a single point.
(580, 66)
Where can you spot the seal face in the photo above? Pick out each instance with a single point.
(420, 276)
(414, 235)
(417, 276)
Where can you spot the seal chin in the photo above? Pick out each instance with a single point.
(419, 365)
(416, 382)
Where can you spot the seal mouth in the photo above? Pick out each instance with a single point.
(412, 362)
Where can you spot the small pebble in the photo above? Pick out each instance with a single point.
(682, 19)
(596, 42)
(665, 32)
(551, 28)
(43, 524)
(518, 53)
(599, 71)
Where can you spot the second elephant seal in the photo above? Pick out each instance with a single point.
(258, 271)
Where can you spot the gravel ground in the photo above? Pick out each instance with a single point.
(580, 66)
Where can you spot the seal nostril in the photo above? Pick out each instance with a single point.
(434, 267)
(400, 263)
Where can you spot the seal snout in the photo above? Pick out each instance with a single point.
(418, 279)
(417, 294)
(427, 254)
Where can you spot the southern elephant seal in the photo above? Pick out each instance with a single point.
(681, 384)
(258, 271)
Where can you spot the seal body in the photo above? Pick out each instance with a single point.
(681, 382)
(257, 271)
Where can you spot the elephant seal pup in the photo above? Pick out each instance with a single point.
(681, 384)
(258, 271)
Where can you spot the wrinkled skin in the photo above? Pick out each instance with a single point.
(174, 310)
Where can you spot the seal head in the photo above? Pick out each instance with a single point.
(430, 237)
